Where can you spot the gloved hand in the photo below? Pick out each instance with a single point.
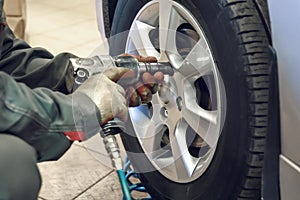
(141, 91)
(108, 96)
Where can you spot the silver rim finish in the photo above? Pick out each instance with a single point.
(175, 110)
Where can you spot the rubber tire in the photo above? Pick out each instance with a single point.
(239, 41)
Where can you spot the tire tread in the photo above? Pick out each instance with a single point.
(254, 41)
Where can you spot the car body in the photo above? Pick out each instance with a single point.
(284, 17)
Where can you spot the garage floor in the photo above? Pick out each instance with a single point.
(84, 171)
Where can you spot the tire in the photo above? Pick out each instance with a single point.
(238, 40)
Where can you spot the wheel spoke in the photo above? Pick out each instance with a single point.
(139, 36)
(156, 108)
(164, 20)
(152, 139)
(150, 127)
(184, 163)
(201, 120)
(169, 21)
(197, 63)
(205, 129)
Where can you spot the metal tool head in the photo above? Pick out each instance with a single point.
(152, 68)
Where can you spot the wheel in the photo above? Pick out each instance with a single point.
(202, 136)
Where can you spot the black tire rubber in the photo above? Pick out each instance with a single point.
(239, 41)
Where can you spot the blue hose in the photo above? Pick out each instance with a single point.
(127, 186)
(124, 186)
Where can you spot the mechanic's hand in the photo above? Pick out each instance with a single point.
(108, 96)
(141, 91)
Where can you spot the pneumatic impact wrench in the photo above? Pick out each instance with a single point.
(87, 67)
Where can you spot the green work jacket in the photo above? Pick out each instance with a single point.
(35, 100)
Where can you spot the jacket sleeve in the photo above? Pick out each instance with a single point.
(42, 117)
(35, 67)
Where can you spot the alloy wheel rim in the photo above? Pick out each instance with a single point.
(167, 127)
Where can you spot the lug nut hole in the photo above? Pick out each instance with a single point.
(179, 103)
(164, 112)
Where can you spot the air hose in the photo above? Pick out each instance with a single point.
(124, 172)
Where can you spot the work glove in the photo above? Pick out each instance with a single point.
(141, 91)
(111, 98)
(108, 96)
(111, 93)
